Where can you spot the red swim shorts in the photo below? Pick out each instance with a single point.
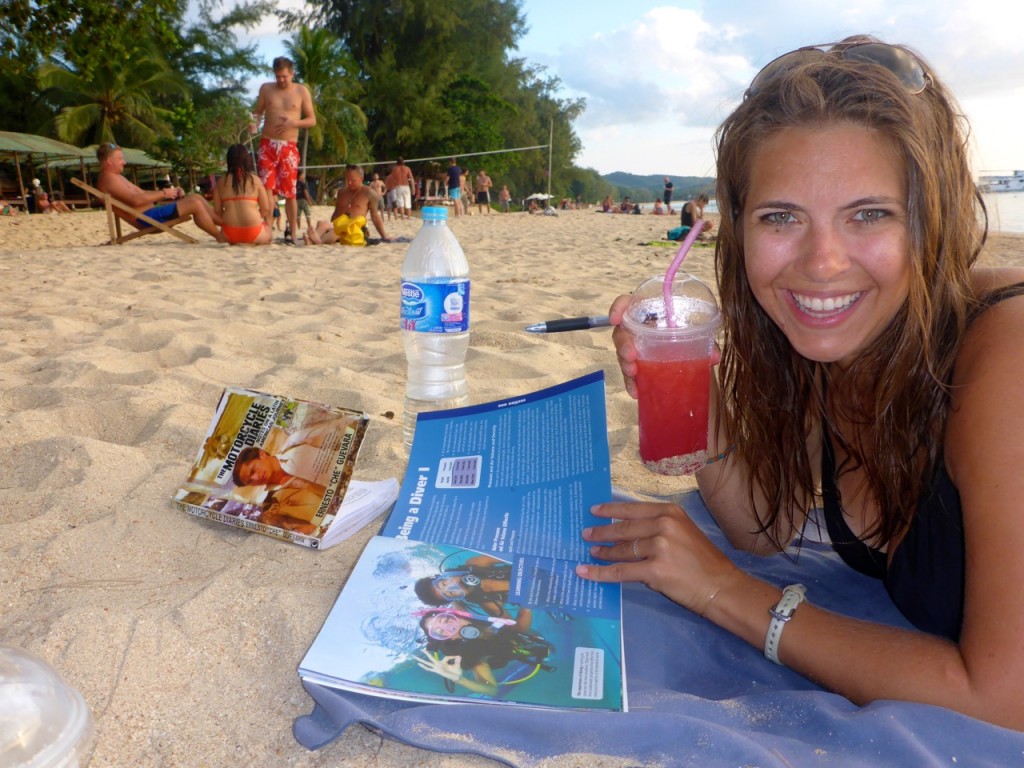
(279, 166)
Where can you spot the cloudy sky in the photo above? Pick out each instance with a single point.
(658, 77)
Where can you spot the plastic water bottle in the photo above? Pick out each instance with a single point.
(435, 320)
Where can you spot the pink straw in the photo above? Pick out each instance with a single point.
(670, 275)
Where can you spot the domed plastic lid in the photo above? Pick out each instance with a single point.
(44, 723)
(695, 310)
(434, 213)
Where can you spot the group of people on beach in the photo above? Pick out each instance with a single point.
(245, 198)
(40, 201)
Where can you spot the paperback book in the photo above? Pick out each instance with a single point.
(469, 593)
(283, 467)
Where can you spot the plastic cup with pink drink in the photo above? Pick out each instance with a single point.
(675, 355)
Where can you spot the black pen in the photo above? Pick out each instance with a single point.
(569, 324)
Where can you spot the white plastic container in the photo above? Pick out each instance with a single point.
(435, 320)
(44, 723)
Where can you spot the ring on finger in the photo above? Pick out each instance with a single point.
(636, 555)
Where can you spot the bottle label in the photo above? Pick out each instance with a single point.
(436, 307)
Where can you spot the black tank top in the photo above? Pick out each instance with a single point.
(686, 218)
(926, 576)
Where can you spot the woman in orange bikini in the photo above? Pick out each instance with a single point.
(242, 201)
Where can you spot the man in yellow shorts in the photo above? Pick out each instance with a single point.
(354, 202)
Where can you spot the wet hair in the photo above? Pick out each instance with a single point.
(896, 394)
(240, 168)
(283, 62)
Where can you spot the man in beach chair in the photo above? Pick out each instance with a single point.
(149, 211)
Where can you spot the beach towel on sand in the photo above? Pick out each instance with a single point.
(698, 696)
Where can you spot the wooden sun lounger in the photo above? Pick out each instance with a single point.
(110, 203)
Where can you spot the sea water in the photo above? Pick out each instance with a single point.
(1005, 212)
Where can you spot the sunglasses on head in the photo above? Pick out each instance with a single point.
(904, 65)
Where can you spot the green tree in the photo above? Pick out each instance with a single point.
(81, 30)
(438, 80)
(411, 54)
(208, 54)
(478, 115)
(324, 66)
(588, 185)
(199, 140)
(114, 100)
(91, 39)
(34, 31)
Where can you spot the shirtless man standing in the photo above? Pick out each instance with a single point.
(401, 181)
(483, 192)
(377, 185)
(161, 205)
(355, 201)
(286, 107)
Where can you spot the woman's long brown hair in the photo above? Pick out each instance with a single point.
(240, 168)
(896, 394)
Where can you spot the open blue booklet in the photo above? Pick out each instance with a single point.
(470, 593)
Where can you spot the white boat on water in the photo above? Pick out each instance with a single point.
(1014, 183)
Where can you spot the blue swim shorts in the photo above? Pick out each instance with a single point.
(454, 194)
(161, 213)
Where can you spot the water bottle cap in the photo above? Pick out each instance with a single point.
(434, 213)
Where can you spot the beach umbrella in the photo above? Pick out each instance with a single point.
(539, 196)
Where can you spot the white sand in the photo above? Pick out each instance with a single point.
(184, 635)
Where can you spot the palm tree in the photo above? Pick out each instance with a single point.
(323, 65)
(115, 102)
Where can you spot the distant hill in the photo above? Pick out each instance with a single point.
(646, 188)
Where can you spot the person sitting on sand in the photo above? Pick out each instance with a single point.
(348, 222)
(43, 202)
(160, 204)
(58, 204)
(869, 373)
(242, 202)
(608, 204)
(694, 211)
(659, 209)
(6, 209)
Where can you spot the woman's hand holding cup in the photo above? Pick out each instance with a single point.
(624, 348)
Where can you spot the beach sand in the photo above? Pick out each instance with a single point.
(184, 635)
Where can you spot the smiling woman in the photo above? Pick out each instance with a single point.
(869, 367)
(829, 263)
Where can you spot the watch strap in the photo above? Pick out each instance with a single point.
(783, 611)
